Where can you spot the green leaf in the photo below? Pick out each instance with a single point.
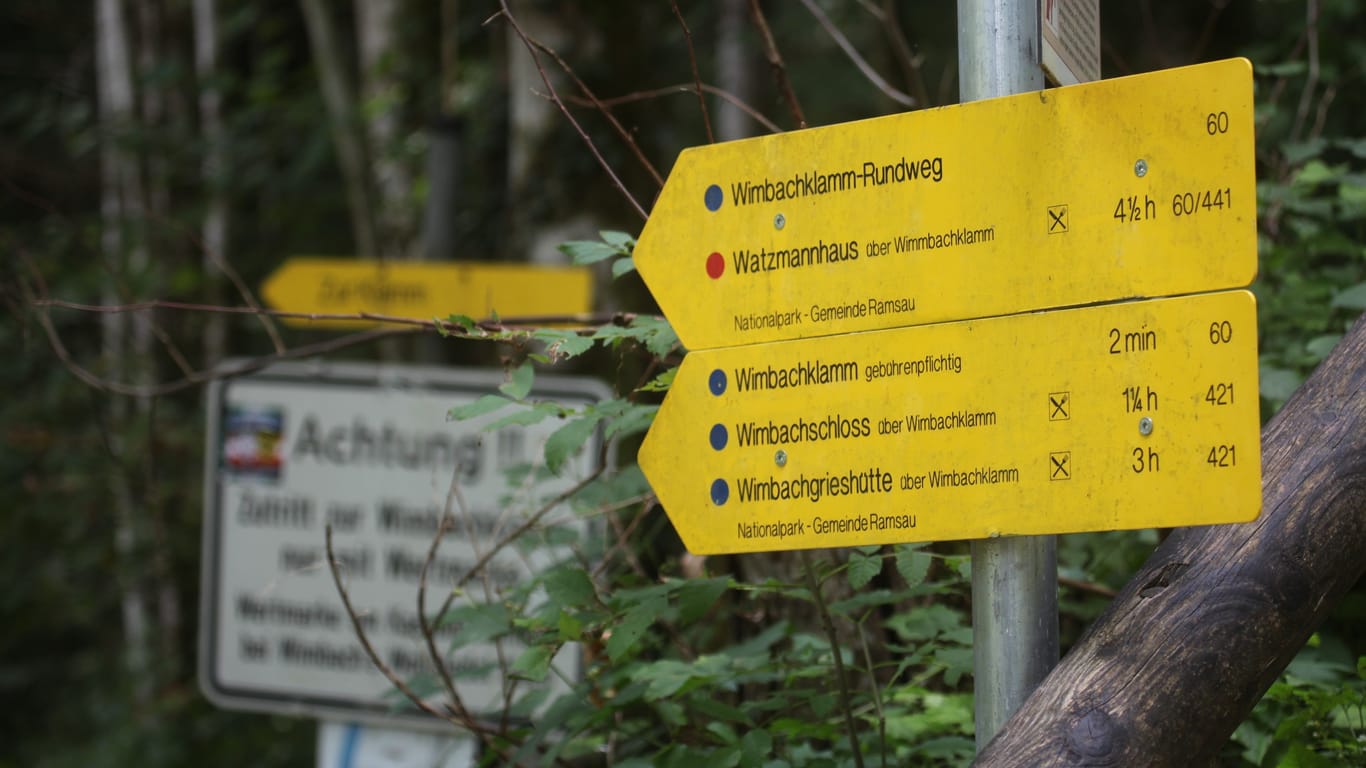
(534, 663)
(1320, 346)
(912, 564)
(1353, 298)
(957, 663)
(465, 322)
(622, 266)
(569, 626)
(567, 440)
(697, 596)
(1299, 152)
(632, 419)
(485, 404)
(1278, 384)
(569, 585)
(588, 251)
(525, 417)
(862, 569)
(619, 240)
(478, 623)
(518, 385)
(562, 343)
(660, 383)
(1315, 172)
(628, 632)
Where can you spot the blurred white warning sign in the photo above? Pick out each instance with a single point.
(366, 451)
(1070, 31)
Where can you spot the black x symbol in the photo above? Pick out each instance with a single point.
(1059, 405)
(1057, 219)
(1061, 465)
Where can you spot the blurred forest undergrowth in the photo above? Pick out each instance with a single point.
(732, 660)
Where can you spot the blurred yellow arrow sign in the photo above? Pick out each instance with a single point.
(1134, 415)
(424, 289)
(1132, 187)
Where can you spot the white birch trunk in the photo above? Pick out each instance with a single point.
(733, 73)
(120, 206)
(375, 33)
(214, 231)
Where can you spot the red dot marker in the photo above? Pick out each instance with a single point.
(715, 265)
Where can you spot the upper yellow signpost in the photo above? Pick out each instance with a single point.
(1126, 415)
(1133, 187)
(423, 289)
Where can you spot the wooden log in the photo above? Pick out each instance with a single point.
(1189, 646)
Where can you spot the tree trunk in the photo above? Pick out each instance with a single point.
(341, 113)
(1191, 644)
(734, 72)
(214, 230)
(375, 32)
(120, 212)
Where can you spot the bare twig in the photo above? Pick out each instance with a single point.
(531, 49)
(201, 377)
(428, 632)
(625, 135)
(1311, 83)
(775, 60)
(1087, 586)
(853, 54)
(192, 377)
(877, 694)
(901, 48)
(696, 78)
(488, 324)
(828, 625)
(531, 522)
(375, 659)
(1216, 8)
(681, 88)
(246, 293)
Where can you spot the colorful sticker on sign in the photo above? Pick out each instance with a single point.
(252, 441)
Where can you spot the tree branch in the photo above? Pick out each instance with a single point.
(849, 50)
(554, 95)
(696, 78)
(775, 60)
(682, 88)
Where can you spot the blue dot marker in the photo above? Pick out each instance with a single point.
(720, 492)
(719, 436)
(717, 382)
(713, 198)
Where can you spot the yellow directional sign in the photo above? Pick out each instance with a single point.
(1133, 187)
(1141, 414)
(424, 289)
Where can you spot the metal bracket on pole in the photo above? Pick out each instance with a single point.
(1014, 580)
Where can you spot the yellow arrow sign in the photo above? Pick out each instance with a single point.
(1143, 414)
(1133, 187)
(424, 289)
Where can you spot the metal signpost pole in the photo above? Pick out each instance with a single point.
(1014, 580)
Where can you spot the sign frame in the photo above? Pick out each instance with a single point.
(426, 379)
(1063, 197)
(1066, 421)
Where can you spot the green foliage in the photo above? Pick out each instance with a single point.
(1314, 715)
(672, 675)
(1311, 202)
(614, 245)
(726, 667)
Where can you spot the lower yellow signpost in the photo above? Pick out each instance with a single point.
(423, 289)
(1140, 414)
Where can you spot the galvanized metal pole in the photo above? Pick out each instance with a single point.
(1014, 580)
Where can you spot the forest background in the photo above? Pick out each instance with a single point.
(182, 149)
